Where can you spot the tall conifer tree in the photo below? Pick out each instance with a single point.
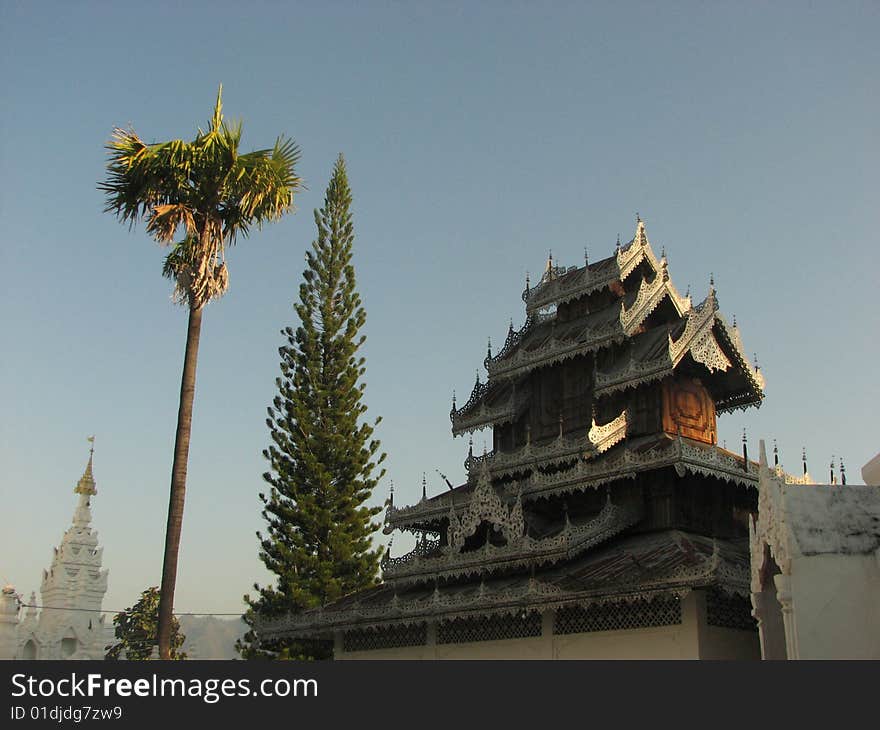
(323, 455)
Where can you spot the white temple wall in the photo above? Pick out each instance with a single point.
(836, 606)
(691, 639)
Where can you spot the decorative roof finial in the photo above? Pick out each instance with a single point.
(757, 367)
(424, 486)
(638, 220)
(391, 494)
(734, 322)
(453, 400)
(775, 454)
(470, 446)
(586, 258)
(833, 478)
(842, 472)
(804, 458)
(618, 243)
(86, 483)
(745, 452)
(478, 377)
(510, 329)
(489, 350)
(711, 283)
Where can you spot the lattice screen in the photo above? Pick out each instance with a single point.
(730, 612)
(389, 637)
(489, 628)
(661, 611)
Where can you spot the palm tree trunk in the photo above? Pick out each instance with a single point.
(178, 481)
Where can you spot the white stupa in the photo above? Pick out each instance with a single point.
(69, 624)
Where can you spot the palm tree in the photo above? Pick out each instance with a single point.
(211, 194)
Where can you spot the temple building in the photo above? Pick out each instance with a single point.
(69, 624)
(606, 521)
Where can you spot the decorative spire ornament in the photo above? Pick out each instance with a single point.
(833, 478)
(842, 473)
(391, 494)
(618, 244)
(424, 486)
(775, 454)
(804, 459)
(745, 452)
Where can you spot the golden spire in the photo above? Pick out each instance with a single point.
(86, 483)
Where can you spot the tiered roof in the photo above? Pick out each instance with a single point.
(504, 541)
(700, 332)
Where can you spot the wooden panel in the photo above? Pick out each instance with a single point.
(688, 408)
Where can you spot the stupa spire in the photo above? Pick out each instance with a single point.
(86, 483)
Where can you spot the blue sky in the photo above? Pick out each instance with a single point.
(477, 136)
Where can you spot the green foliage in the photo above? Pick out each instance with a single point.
(204, 187)
(136, 630)
(323, 454)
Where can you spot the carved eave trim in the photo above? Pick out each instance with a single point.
(598, 440)
(473, 418)
(534, 595)
(419, 566)
(518, 362)
(730, 336)
(700, 342)
(594, 473)
(559, 291)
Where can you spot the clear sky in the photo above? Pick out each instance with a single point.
(477, 136)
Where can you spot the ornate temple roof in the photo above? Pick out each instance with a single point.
(624, 461)
(700, 332)
(631, 569)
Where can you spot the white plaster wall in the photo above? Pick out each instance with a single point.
(721, 643)
(836, 606)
